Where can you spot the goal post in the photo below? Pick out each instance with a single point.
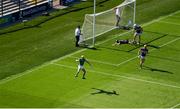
(99, 23)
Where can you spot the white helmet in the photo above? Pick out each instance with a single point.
(134, 25)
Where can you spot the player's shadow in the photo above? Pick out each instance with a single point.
(148, 43)
(110, 48)
(101, 91)
(156, 70)
(153, 46)
(164, 58)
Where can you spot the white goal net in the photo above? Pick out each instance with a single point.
(106, 21)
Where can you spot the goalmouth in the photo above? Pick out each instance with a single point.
(99, 23)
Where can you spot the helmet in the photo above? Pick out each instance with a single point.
(134, 25)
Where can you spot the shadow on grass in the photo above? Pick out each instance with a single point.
(67, 11)
(148, 43)
(110, 48)
(160, 33)
(163, 58)
(88, 47)
(156, 70)
(153, 46)
(101, 91)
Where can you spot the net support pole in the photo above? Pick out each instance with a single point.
(134, 18)
(94, 22)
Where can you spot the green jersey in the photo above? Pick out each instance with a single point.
(81, 61)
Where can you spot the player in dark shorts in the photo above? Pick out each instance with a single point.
(119, 42)
(142, 54)
(137, 33)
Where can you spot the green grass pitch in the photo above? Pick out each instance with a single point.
(115, 69)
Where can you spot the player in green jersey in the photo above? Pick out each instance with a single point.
(81, 61)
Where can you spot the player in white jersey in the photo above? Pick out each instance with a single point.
(118, 18)
(77, 35)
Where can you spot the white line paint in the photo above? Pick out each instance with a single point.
(107, 63)
(55, 60)
(149, 51)
(170, 42)
(97, 61)
(175, 16)
(125, 77)
(127, 60)
(175, 106)
(172, 23)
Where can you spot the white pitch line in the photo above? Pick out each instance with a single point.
(172, 23)
(97, 61)
(55, 60)
(175, 16)
(175, 106)
(170, 42)
(102, 62)
(149, 51)
(127, 60)
(126, 77)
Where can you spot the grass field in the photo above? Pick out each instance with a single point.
(115, 68)
(53, 36)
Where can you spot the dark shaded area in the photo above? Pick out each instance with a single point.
(88, 47)
(160, 33)
(164, 58)
(110, 48)
(68, 10)
(153, 46)
(156, 70)
(142, 44)
(101, 91)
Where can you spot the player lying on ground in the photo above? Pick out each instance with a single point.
(81, 61)
(119, 42)
(142, 54)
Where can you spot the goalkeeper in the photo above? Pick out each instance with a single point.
(81, 61)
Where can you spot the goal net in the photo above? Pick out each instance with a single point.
(106, 21)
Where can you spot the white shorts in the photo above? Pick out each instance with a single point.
(142, 57)
(137, 34)
(80, 67)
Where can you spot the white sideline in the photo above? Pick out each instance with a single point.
(126, 77)
(97, 61)
(172, 23)
(175, 106)
(55, 60)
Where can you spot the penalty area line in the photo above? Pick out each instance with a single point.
(125, 77)
(171, 23)
(63, 57)
(96, 61)
(175, 106)
(149, 51)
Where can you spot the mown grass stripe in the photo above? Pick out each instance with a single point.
(45, 64)
(125, 77)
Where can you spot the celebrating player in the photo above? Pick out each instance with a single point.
(138, 31)
(142, 54)
(81, 61)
